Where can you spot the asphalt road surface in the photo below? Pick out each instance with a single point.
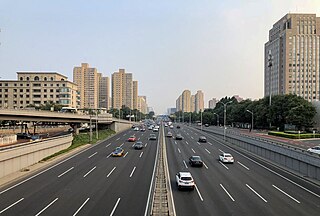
(89, 183)
(249, 186)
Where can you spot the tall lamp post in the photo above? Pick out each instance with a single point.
(270, 82)
(251, 118)
(224, 118)
(97, 134)
(217, 118)
(190, 118)
(201, 118)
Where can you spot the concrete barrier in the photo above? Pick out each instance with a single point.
(16, 157)
(8, 139)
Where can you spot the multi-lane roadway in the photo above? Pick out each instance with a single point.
(89, 183)
(247, 187)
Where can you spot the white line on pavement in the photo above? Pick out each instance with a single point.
(223, 165)
(205, 165)
(118, 138)
(111, 172)
(124, 134)
(193, 150)
(108, 145)
(125, 154)
(256, 193)
(286, 194)
(47, 206)
(134, 168)
(65, 172)
(121, 144)
(187, 143)
(179, 150)
(198, 143)
(227, 193)
(140, 154)
(93, 155)
(146, 145)
(81, 207)
(221, 151)
(210, 143)
(191, 137)
(243, 165)
(13, 204)
(207, 151)
(199, 193)
(139, 138)
(185, 164)
(115, 206)
(109, 155)
(89, 171)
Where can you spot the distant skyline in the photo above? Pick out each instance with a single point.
(169, 46)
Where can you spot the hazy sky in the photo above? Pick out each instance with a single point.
(168, 45)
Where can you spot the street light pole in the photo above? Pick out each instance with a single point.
(201, 118)
(224, 118)
(270, 83)
(190, 119)
(251, 118)
(217, 118)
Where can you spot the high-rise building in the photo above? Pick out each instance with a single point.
(135, 94)
(193, 103)
(88, 85)
(142, 104)
(199, 101)
(179, 103)
(122, 89)
(104, 92)
(36, 88)
(186, 101)
(212, 103)
(292, 59)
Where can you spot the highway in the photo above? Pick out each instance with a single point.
(88, 183)
(247, 187)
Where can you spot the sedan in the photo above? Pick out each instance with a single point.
(118, 152)
(152, 137)
(179, 137)
(226, 158)
(315, 149)
(195, 161)
(169, 134)
(202, 139)
(132, 139)
(138, 145)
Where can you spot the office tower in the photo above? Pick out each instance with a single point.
(36, 88)
(291, 57)
(135, 94)
(88, 85)
(122, 89)
(199, 101)
(212, 103)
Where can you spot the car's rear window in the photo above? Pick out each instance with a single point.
(186, 178)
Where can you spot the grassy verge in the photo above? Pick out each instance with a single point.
(293, 136)
(82, 139)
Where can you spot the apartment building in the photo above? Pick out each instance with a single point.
(291, 57)
(104, 92)
(199, 101)
(36, 88)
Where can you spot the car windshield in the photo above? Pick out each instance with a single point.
(227, 155)
(197, 158)
(186, 178)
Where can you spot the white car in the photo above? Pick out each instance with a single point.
(226, 158)
(155, 129)
(171, 126)
(315, 149)
(185, 180)
(136, 129)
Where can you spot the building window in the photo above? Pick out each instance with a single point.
(36, 78)
(21, 78)
(21, 90)
(45, 79)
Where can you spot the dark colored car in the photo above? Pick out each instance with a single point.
(179, 137)
(118, 152)
(152, 137)
(195, 161)
(23, 136)
(202, 139)
(206, 125)
(138, 145)
(178, 126)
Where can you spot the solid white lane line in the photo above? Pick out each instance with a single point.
(81, 207)
(227, 193)
(207, 151)
(187, 143)
(108, 145)
(210, 143)
(93, 155)
(89, 171)
(223, 165)
(118, 138)
(134, 168)
(65, 172)
(205, 165)
(179, 150)
(125, 154)
(193, 150)
(13, 204)
(47, 206)
(146, 145)
(111, 172)
(243, 165)
(191, 137)
(185, 164)
(140, 154)
(121, 144)
(198, 143)
(175, 142)
(286, 194)
(256, 193)
(221, 151)
(115, 206)
(199, 193)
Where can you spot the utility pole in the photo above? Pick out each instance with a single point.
(270, 83)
